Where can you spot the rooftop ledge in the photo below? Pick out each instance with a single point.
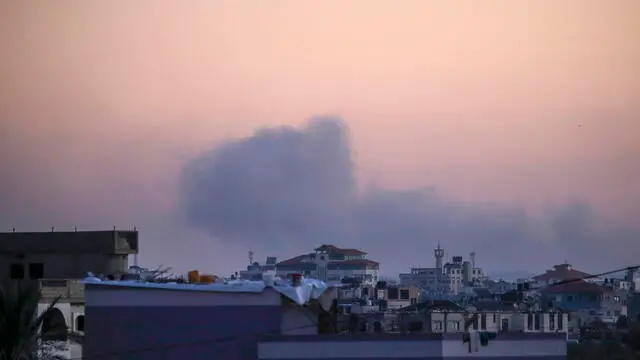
(308, 289)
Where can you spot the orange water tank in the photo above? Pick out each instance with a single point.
(193, 276)
(207, 279)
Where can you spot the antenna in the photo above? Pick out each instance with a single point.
(251, 253)
(472, 255)
(75, 229)
(53, 228)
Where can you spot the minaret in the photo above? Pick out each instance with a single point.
(439, 255)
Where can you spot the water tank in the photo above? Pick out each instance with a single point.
(466, 272)
(207, 279)
(193, 276)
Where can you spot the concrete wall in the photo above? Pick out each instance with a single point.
(68, 255)
(66, 266)
(155, 324)
(66, 349)
(79, 242)
(435, 346)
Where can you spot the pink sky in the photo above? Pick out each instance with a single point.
(509, 101)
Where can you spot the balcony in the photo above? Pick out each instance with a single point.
(65, 289)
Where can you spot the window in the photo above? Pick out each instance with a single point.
(560, 321)
(80, 323)
(530, 321)
(404, 294)
(16, 271)
(495, 318)
(552, 321)
(454, 325)
(536, 322)
(415, 326)
(392, 293)
(569, 298)
(475, 322)
(36, 270)
(437, 325)
(483, 322)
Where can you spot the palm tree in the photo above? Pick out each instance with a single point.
(21, 326)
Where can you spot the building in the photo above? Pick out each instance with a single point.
(65, 255)
(252, 321)
(448, 278)
(330, 263)
(462, 273)
(57, 260)
(224, 319)
(547, 346)
(256, 270)
(448, 317)
(574, 296)
(559, 273)
(431, 281)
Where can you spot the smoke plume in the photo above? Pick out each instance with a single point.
(284, 186)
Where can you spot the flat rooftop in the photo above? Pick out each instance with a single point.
(307, 290)
(88, 242)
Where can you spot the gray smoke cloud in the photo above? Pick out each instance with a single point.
(288, 185)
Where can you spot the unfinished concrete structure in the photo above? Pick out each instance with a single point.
(57, 261)
(60, 259)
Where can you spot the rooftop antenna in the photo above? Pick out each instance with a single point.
(472, 255)
(114, 228)
(135, 228)
(75, 228)
(13, 229)
(53, 228)
(251, 253)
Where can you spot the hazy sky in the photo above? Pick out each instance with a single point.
(526, 104)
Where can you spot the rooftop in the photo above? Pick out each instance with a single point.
(578, 286)
(561, 272)
(307, 290)
(80, 242)
(337, 250)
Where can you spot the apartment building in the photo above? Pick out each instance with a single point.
(331, 263)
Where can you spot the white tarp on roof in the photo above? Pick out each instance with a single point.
(307, 290)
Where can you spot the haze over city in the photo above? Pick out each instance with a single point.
(506, 128)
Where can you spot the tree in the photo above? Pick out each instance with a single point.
(21, 335)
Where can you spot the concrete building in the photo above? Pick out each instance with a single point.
(560, 272)
(332, 264)
(445, 278)
(448, 317)
(462, 273)
(252, 321)
(548, 346)
(59, 260)
(139, 320)
(255, 270)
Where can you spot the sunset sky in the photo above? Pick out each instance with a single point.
(530, 103)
